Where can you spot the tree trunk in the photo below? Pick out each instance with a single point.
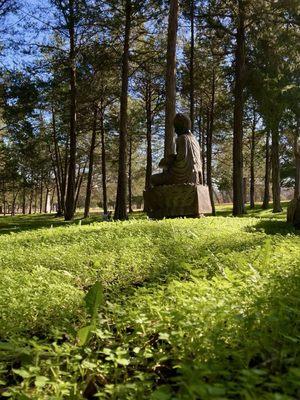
(70, 198)
(24, 202)
(78, 185)
(210, 117)
(170, 109)
(121, 199)
(30, 202)
(297, 160)
(130, 175)
(35, 200)
(266, 200)
(52, 200)
(238, 200)
(91, 167)
(149, 134)
(103, 162)
(202, 142)
(252, 158)
(41, 197)
(46, 200)
(192, 60)
(58, 170)
(276, 170)
(4, 199)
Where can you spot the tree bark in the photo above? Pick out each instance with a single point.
(64, 175)
(252, 158)
(266, 200)
(103, 163)
(149, 134)
(170, 109)
(276, 170)
(58, 169)
(30, 202)
(41, 197)
(209, 139)
(46, 200)
(202, 142)
(78, 185)
(121, 199)
(130, 175)
(24, 202)
(297, 161)
(35, 200)
(192, 60)
(238, 200)
(70, 198)
(91, 166)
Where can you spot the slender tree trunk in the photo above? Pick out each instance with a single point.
(41, 197)
(58, 169)
(130, 175)
(78, 185)
(199, 123)
(30, 202)
(70, 198)
(46, 200)
(238, 200)
(192, 60)
(59, 210)
(276, 170)
(13, 206)
(266, 200)
(65, 177)
(52, 200)
(91, 167)
(121, 199)
(4, 199)
(35, 200)
(297, 161)
(170, 110)
(252, 158)
(149, 134)
(24, 202)
(209, 139)
(202, 140)
(103, 163)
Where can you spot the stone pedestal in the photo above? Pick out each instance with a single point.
(172, 201)
(293, 214)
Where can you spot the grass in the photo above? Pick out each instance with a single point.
(193, 308)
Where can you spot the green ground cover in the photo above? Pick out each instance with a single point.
(191, 309)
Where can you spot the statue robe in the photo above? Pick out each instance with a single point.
(186, 164)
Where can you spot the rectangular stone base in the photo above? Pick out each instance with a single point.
(172, 201)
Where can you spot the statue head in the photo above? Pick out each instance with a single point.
(182, 124)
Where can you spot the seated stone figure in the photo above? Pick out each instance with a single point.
(179, 191)
(185, 166)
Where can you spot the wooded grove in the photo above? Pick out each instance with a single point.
(89, 90)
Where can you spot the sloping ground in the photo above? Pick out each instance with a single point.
(193, 309)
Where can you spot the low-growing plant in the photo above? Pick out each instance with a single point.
(193, 309)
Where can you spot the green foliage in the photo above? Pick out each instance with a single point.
(193, 309)
(93, 300)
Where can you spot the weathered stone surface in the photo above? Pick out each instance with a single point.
(293, 214)
(170, 201)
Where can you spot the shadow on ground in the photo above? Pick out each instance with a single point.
(21, 223)
(273, 227)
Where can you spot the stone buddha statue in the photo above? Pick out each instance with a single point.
(184, 167)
